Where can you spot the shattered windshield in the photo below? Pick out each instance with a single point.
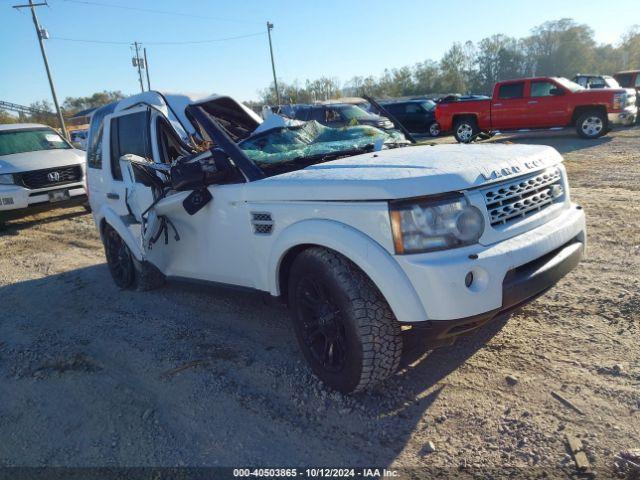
(315, 141)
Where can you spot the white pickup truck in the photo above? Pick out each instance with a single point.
(362, 238)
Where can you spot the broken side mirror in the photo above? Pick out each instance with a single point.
(218, 168)
(199, 170)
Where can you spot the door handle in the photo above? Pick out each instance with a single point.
(531, 102)
(497, 104)
(113, 196)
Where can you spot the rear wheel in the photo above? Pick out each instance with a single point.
(345, 328)
(465, 129)
(591, 124)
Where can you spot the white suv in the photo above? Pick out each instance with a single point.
(38, 170)
(437, 238)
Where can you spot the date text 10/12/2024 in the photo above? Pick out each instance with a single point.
(315, 472)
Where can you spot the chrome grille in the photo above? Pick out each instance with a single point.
(516, 199)
(59, 176)
(262, 223)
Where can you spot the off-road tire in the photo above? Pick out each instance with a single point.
(128, 272)
(465, 129)
(371, 332)
(597, 118)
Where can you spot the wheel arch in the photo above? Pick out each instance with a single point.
(579, 110)
(463, 116)
(368, 255)
(111, 218)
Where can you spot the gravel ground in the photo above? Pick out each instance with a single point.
(94, 376)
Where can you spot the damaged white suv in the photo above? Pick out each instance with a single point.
(359, 233)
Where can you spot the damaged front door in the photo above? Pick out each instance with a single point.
(209, 218)
(128, 133)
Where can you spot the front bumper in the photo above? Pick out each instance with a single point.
(624, 117)
(520, 286)
(439, 278)
(16, 200)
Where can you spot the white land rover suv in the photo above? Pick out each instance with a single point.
(38, 170)
(359, 233)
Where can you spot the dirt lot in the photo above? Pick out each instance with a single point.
(90, 375)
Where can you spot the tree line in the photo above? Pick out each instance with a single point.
(555, 48)
(44, 112)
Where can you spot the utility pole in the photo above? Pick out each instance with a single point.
(136, 63)
(146, 67)
(273, 65)
(41, 32)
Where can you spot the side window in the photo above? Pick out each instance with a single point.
(316, 114)
(129, 134)
(511, 90)
(332, 115)
(413, 108)
(596, 82)
(542, 89)
(94, 150)
(395, 108)
(94, 142)
(637, 79)
(582, 81)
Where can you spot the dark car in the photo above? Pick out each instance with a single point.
(340, 115)
(596, 81)
(417, 116)
(456, 97)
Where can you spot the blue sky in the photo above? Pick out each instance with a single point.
(311, 38)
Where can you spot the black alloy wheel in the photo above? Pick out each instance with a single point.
(323, 330)
(119, 258)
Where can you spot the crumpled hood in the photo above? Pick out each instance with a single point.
(405, 173)
(23, 162)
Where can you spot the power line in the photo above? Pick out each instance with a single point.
(186, 42)
(161, 12)
(42, 34)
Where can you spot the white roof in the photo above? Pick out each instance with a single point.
(173, 106)
(19, 126)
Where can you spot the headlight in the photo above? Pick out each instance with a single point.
(434, 224)
(619, 99)
(6, 179)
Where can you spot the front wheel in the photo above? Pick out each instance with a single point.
(591, 124)
(465, 129)
(344, 326)
(128, 272)
(119, 258)
(434, 129)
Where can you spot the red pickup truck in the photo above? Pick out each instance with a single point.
(542, 102)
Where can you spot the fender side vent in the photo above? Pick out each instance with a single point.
(262, 223)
